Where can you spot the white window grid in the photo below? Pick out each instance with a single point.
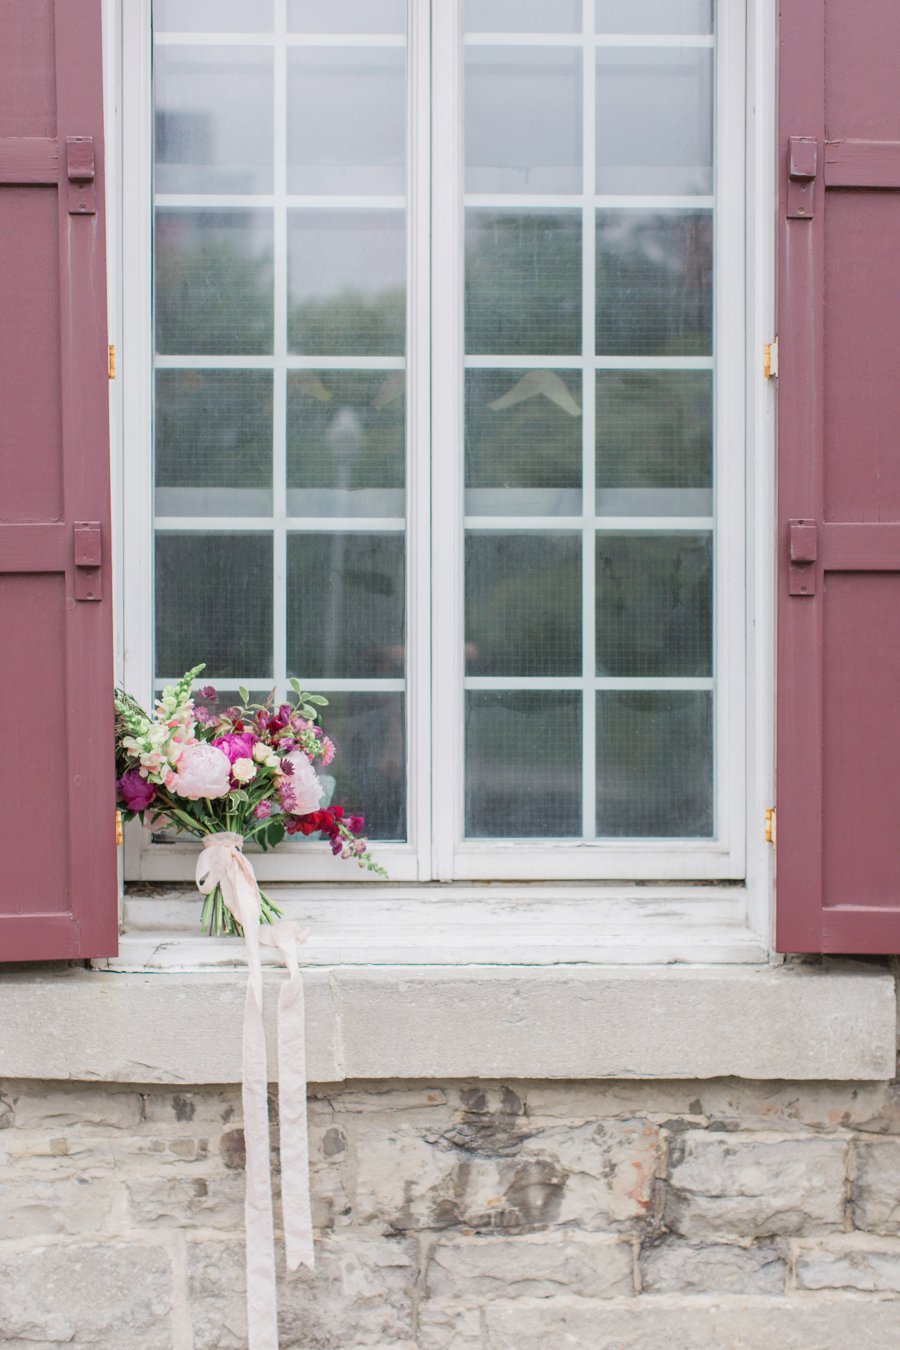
(435, 203)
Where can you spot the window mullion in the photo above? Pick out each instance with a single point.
(279, 373)
(588, 424)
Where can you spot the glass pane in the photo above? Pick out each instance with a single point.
(213, 119)
(523, 119)
(654, 604)
(522, 16)
(213, 604)
(346, 16)
(523, 442)
(213, 274)
(347, 283)
(523, 755)
(352, 626)
(654, 283)
(347, 120)
(654, 120)
(654, 764)
(212, 16)
(213, 442)
(654, 442)
(523, 603)
(523, 283)
(654, 16)
(346, 443)
(369, 769)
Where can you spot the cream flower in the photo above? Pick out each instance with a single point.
(243, 770)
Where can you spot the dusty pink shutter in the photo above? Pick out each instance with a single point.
(838, 762)
(57, 840)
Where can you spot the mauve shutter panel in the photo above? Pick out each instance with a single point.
(838, 760)
(57, 834)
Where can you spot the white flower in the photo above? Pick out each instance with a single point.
(244, 770)
(264, 754)
(301, 790)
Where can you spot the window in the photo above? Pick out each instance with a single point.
(446, 398)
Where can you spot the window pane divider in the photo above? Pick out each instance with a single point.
(568, 362)
(279, 38)
(589, 39)
(589, 436)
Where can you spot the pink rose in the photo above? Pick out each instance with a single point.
(301, 790)
(203, 771)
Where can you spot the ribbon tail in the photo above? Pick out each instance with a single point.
(295, 1197)
(262, 1319)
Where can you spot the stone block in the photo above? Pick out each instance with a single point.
(750, 1187)
(495, 1174)
(449, 1326)
(875, 1192)
(853, 1262)
(87, 1296)
(360, 1294)
(703, 1324)
(672, 1266)
(79, 1107)
(206, 1107)
(42, 1206)
(187, 1202)
(477, 1270)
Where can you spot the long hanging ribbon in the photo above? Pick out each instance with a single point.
(222, 863)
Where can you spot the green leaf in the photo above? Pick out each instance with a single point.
(238, 795)
(295, 685)
(275, 833)
(245, 694)
(318, 699)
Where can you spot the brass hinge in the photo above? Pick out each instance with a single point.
(118, 829)
(111, 369)
(771, 828)
(770, 360)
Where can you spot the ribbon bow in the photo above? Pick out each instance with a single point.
(222, 863)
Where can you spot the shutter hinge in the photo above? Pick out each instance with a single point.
(770, 825)
(111, 367)
(118, 829)
(770, 360)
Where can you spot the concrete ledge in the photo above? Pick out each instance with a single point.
(832, 1022)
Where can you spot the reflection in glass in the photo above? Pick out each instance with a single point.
(345, 607)
(213, 442)
(654, 283)
(369, 770)
(654, 120)
(654, 442)
(346, 16)
(523, 282)
(346, 282)
(653, 16)
(523, 442)
(654, 604)
(194, 571)
(346, 443)
(213, 119)
(522, 16)
(213, 273)
(347, 120)
(523, 119)
(523, 603)
(523, 758)
(212, 16)
(654, 764)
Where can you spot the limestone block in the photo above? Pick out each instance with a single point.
(78, 1107)
(114, 1294)
(206, 1107)
(495, 1175)
(187, 1202)
(360, 1294)
(477, 1270)
(703, 1324)
(41, 1206)
(851, 1262)
(875, 1194)
(752, 1187)
(672, 1266)
(449, 1326)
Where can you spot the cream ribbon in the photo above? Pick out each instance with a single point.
(222, 863)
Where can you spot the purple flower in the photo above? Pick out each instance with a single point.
(135, 791)
(209, 693)
(237, 745)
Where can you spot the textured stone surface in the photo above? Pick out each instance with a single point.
(113, 1294)
(477, 1270)
(876, 1187)
(704, 1324)
(38, 1208)
(187, 1202)
(449, 1326)
(672, 1266)
(77, 1106)
(750, 1187)
(850, 1264)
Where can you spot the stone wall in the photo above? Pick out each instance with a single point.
(463, 1216)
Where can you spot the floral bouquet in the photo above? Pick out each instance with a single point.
(247, 771)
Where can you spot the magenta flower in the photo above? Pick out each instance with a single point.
(209, 693)
(135, 791)
(262, 810)
(237, 745)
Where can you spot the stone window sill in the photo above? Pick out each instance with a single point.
(835, 1020)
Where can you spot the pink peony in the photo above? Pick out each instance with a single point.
(237, 744)
(203, 771)
(300, 788)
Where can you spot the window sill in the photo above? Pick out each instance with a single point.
(832, 1021)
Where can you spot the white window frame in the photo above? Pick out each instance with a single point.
(614, 863)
